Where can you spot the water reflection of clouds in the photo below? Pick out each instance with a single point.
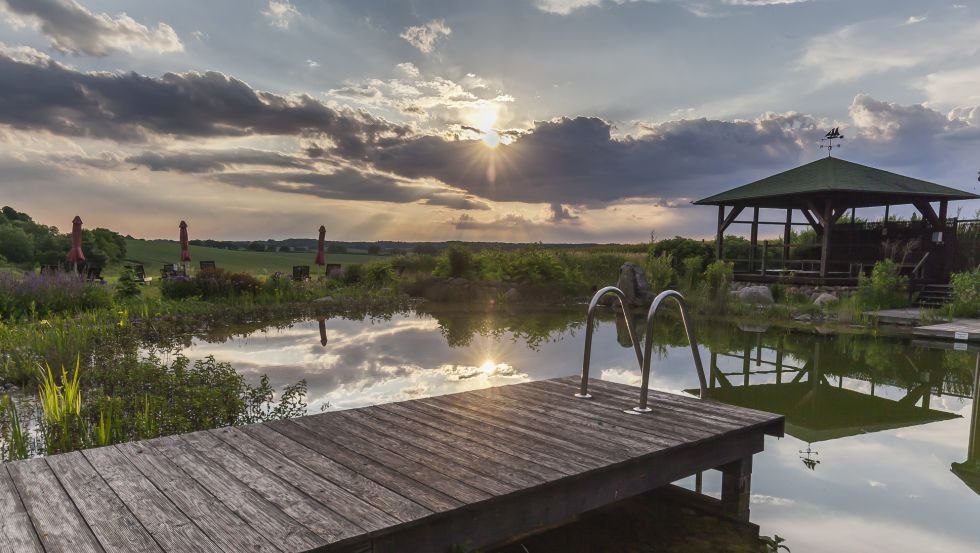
(921, 505)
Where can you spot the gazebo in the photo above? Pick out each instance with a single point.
(823, 191)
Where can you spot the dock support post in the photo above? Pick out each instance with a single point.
(736, 487)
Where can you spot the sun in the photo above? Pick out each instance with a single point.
(488, 367)
(490, 138)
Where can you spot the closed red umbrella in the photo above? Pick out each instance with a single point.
(75, 254)
(320, 258)
(185, 250)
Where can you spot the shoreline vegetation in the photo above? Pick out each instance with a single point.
(103, 359)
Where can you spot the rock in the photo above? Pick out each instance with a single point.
(633, 282)
(511, 295)
(756, 295)
(324, 299)
(804, 318)
(825, 298)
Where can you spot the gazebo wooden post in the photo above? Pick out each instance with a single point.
(828, 223)
(754, 238)
(720, 236)
(787, 236)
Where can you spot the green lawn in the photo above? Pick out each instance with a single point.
(153, 254)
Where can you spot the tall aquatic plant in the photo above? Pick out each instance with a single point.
(62, 424)
(16, 438)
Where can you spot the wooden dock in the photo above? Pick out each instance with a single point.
(958, 330)
(475, 468)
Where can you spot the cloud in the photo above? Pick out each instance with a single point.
(280, 13)
(72, 29)
(577, 160)
(873, 47)
(913, 19)
(128, 107)
(349, 183)
(409, 69)
(424, 37)
(560, 213)
(215, 160)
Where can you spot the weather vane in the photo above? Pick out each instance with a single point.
(829, 138)
(808, 457)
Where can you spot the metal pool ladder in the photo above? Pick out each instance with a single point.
(644, 355)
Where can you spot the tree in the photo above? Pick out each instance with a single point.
(15, 244)
(374, 249)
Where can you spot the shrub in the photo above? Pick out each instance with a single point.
(691, 270)
(681, 249)
(178, 289)
(414, 263)
(34, 294)
(457, 261)
(718, 278)
(127, 287)
(885, 288)
(220, 283)
(660, 271)
(379, 273)
(966, 294)
(353, 274)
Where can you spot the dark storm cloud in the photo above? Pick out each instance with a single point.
(48, 96)
(578, 160)
(560, 213)
(352, 184)
(213, 161)
(73, 29)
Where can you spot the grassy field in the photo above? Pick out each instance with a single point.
(153, 254)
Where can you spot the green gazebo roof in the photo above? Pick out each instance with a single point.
(834, 177)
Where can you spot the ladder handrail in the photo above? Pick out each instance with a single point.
(590, 327)
(644, 355)
(648, 347)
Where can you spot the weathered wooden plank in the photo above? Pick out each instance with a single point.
(259, 513)
(708, 409)
(581, 426)
(318, 516)
(58, 523)
(339, 433)
(16, 530)
(224, 528)
(94, 498)
(681, 407)
(457, 454)
(664, 428)
(388, 476)
(583, 433)
(159, 516)
(478, 449)
(591, 458)
(554, 503)
(679, 425)
(318, 476)
(514, 443)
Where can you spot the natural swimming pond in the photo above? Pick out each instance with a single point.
(882, 451)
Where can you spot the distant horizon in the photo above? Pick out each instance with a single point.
(559, 121)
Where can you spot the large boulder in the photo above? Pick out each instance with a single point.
(825, 298)
(756, 295)
(633, 282)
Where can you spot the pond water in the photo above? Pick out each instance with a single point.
(882, 451)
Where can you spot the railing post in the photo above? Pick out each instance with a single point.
(590, 327)
(648, 349)
(765, 252)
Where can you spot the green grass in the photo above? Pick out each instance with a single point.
(153, 254)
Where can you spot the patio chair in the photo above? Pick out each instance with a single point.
(94, 274)
(301, 272)
(208, 266)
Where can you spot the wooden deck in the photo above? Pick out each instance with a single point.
(475, 467)
(958, 330)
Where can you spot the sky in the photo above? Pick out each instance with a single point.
(510, 120)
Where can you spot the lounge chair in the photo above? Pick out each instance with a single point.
(301, 272)
(208, 266)
(139, 274)
(94, 274)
